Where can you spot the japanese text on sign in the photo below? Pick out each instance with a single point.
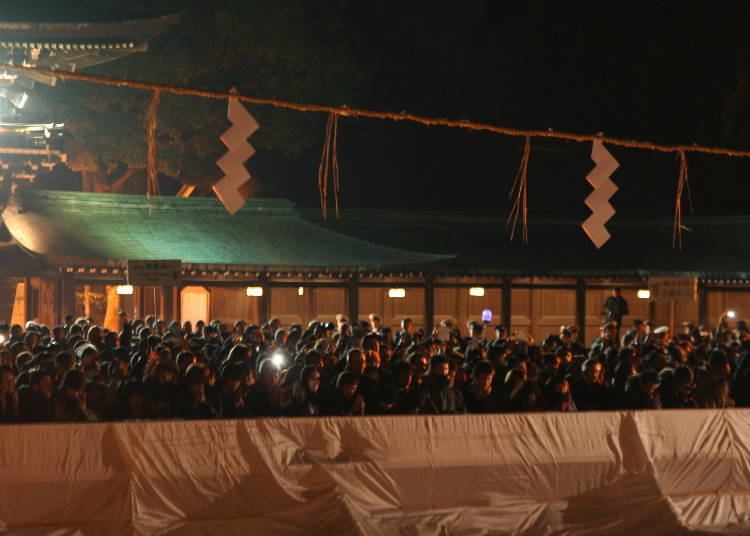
(673, 288)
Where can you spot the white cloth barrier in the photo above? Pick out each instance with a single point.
(658, 472)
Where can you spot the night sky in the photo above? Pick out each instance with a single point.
(670, 72)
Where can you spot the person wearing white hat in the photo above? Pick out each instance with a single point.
(660, 338)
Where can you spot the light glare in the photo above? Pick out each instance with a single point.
(397, 293)
(644, 294)
(278, 359)
(255, 291)
(476, 291)
(124, 290)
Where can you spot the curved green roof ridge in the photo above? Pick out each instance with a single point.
(267, 233)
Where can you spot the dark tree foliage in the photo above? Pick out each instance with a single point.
(671, 72)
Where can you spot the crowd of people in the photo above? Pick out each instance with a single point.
(152, 369)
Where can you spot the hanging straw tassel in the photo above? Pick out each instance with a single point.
(518, 194)
(152, 187)
(335, 157)
(683, 187)
(329, 165)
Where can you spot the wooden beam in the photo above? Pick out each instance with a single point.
(141, 301)
(28, 300)
(67, 297)
(166, 311)
(185, 191)
(352, 297)
(507, 292)
(429, 305)
(703, 291)
(264, 309)
(581, 310)
(176, 303)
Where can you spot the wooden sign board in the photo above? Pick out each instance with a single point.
(673, 288)
(155, 273)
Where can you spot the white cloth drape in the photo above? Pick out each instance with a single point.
(657, 472)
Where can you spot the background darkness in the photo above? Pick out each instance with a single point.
(671, 72)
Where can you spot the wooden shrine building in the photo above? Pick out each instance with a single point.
(66, 253)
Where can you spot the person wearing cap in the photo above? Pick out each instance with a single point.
(635, 335)
(660, 338)
(607, 339)
(569, 339)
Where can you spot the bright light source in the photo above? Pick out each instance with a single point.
(301, 291)
(278, 359)
(255, 291)
(731, 314)
(644, 294)
(487, 315)
(397, 293)
(125, 290)
(476, 291)
(2, 339)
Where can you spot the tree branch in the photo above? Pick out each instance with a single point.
(116, 186)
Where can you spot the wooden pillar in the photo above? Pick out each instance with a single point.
(176, 304)
(141, 301)
(7, 298)
(67, 297)
(264, 308)
(672, 318)
(308, 304)
(158, 297)
(166, 303)
(429, 304)
(352, 299)
(581, 309)
(652, 311)
(535, 298)
(29, 301)
(59, 306)
(507, 311)
(702, 304)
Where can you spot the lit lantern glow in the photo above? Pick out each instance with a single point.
(301, 291)
(397, 293)
(124, 290)
(644, 294)
(255, 291)
(476, 291)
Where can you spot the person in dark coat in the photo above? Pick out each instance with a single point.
(35, 401)
(344, 399)
(436, 394)
(479, 396)
(305, 400)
